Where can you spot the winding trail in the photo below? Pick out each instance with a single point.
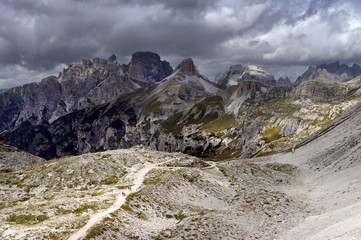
(138, 176)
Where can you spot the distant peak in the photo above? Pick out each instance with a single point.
(145, 55)
(187, 67)
(86, 62)
(147, 67)
(112, 58)
(283, 81)
(236, 67)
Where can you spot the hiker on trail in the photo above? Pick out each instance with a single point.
(130, 188)
(293, 148)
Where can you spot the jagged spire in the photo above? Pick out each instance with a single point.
(187, 67)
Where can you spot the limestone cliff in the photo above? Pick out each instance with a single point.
(81, 85)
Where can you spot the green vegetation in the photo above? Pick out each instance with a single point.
(127, 208)
(26, 219)
(220, 124)
(97, 230)
(180, 216)
(104, 156)
(321, 123)
(110, 180)
(272, 134)
(202, 113)
(85, 208)
(154, 176)
(217, 153)
(172, 124)
(79, 210)
(152, 106)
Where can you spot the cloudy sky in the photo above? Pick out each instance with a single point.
(40, 37)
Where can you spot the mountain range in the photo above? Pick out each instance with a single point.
(331, 72)
(142, 151)
(308, 193)
(103, 105)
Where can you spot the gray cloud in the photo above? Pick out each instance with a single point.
(39, 37)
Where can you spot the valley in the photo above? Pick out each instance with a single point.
(247, 158)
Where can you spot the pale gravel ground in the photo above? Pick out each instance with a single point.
(329, 173)
(331, 166)
(120, 199)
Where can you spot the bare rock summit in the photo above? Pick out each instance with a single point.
(331, 72)
(148, 68)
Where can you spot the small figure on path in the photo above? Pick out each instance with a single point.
(293, 148)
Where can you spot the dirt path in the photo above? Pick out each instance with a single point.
(138, 176)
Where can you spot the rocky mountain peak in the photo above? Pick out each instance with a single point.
(331, 72)
(237, 74)
(187, 67)
(148, 68)
(112, 58)
(99, 62)
(237, 67)
(86, 62)
(283, 81)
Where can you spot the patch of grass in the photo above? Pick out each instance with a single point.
(104, 156)
(180, 216)
(97, 230)
(110, 180)
(284, 168)
(321, 123)
(223, 170)
(203, 112)
(152, 106)
(26, 219)
(272, 134)
(220, 124)
(153, 177)
(124, 186)
(85, 208)
(172, 125)
(127, 208)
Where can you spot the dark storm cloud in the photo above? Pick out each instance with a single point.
(39, 37)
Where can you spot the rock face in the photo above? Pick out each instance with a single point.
(79, 86)
(147, 68)
(231, 76)
(331, 72)
(187, 67)
(183, 112)
(130, 120)
(283, 81)
(237, 74)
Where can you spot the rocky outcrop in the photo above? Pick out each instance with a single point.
(319, 91)
(81, 85)
(283, 81)
(33, 102)
(187, 67)
(147, 68)
(230, 76)
(130, 120)
(331, 72)
(183, 112)
(13, 159)
(237, 74)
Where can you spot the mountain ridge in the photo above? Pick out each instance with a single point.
(331, 72)
(81, 85)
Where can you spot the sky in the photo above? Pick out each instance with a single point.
(39, 38)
